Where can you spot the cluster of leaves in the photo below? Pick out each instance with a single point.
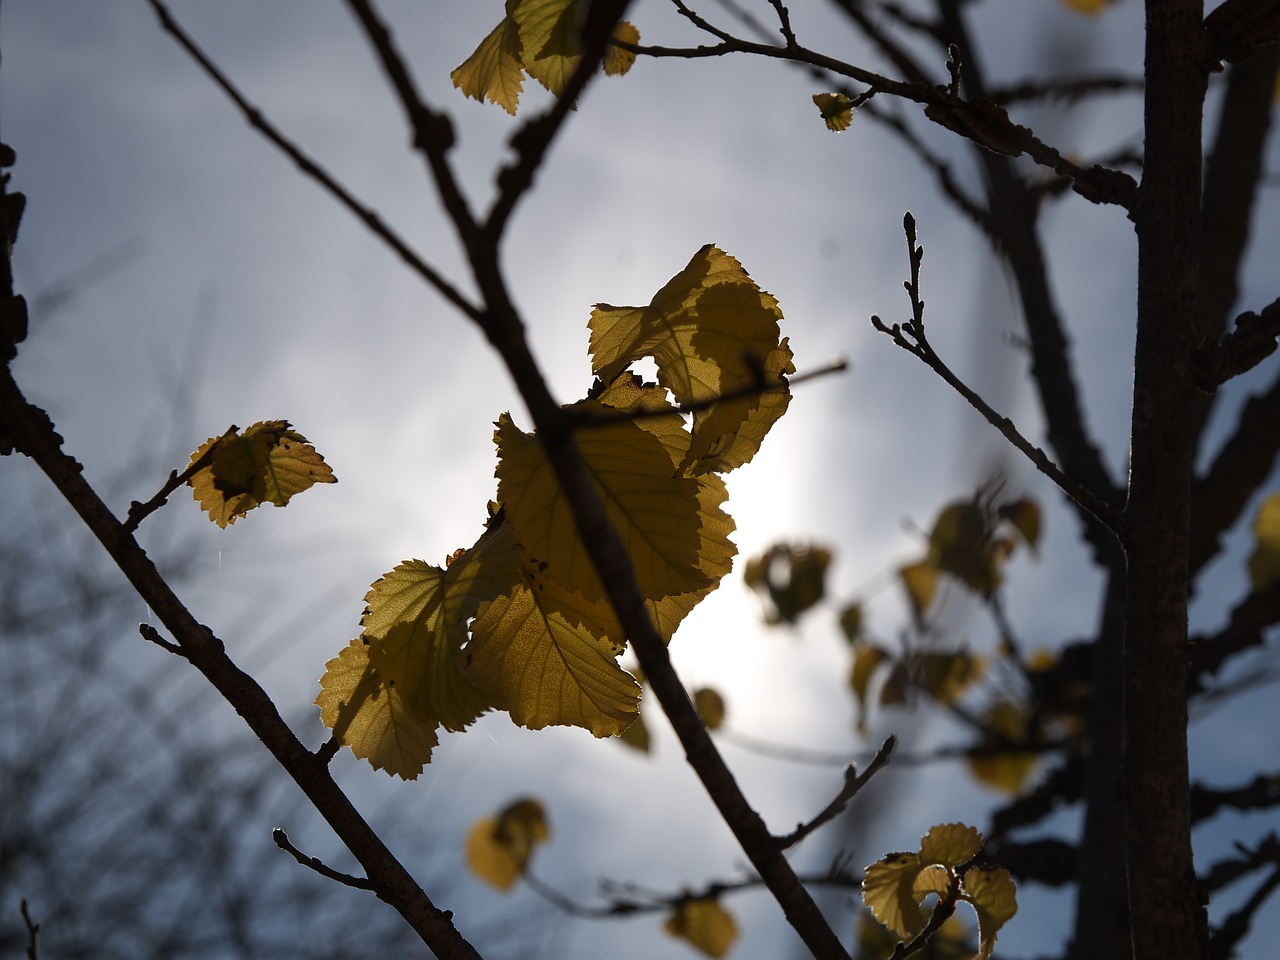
(267, 463)
(519, 621)
(540, 38)
(896, 887)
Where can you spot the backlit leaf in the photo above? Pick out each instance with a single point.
(267, 463)
(549, 31)
(792, 576)
(1264, 563)
(836, 109)
(654, 511)
(921, 582)
(1088, 6)
(371, 718)
(710, 707)
(616, 60)
(866, 657)
(950, 844)
(494, 71)
(961, 545)
(1024, 515)
(704, 924)
(499, 848)
(993, 894)
(545, 671)
(1005, 770)
(946, 676)
(712, 332)
(636, 736)
(851, 622)
(887, 891)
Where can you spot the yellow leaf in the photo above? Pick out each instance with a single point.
(654, 511)
(710, 707)
(866, 657)
(1264, 563)
(1088, 6)
(416, 618)
(993, 894)
(499, 848)
(1024, 515)
(616, 60)
(851, 622)
(268, 463)
(950, 844)
(921, 582)
(793, 576)
(712, 332)
(705, 924)
(887, 891)
(836, 110)
(545, 671)
(946, 675)
(494, 72)
(1005, 770)
(636, 736)
(961, 545)
(372, 719)
(549, 31)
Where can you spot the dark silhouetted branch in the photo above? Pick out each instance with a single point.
(853, 782)
(33, 932)
(1244, 631)
(282, 841)
(308, 166)
(911, 337)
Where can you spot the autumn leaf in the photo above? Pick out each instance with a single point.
(267, 463)
(888, 892)
(836, 110)
(713, 334)
(546, 671)
(616, 60)
(371, 718)
(920, 580)
(494, 72)
(1264, 563)
(499, 848)
(946, 676)
(710, 706)
(1002, 768)
(792, 576)
(993, 894)
(950, 844)
(540, 37)
(704, 924)
(1024, 516)
(1091, 7)
(655, 511)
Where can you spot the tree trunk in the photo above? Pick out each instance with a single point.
(1167, 918)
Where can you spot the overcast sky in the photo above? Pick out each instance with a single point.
(233, 290)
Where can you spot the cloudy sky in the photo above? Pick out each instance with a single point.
(192, 279)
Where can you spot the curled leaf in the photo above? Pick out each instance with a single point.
(499, 848)
(836, 110)
(267, 463)
(704, 924)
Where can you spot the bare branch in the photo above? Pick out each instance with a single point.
(312, 169)
(853, 782)
(1233, 928)
(282, 841)
(33, 932)
(911, 337)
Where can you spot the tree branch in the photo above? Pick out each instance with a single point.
(308, 166)
(33, 435)
(911, 337)
(853, 782)
(319, 866)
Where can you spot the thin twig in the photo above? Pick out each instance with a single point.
(586, 419)
(312, 169)
(33, 932)
(1234, 927)
(853, 782)
(140, 511)
(151, 634)
(282, 841)
(911, 337)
